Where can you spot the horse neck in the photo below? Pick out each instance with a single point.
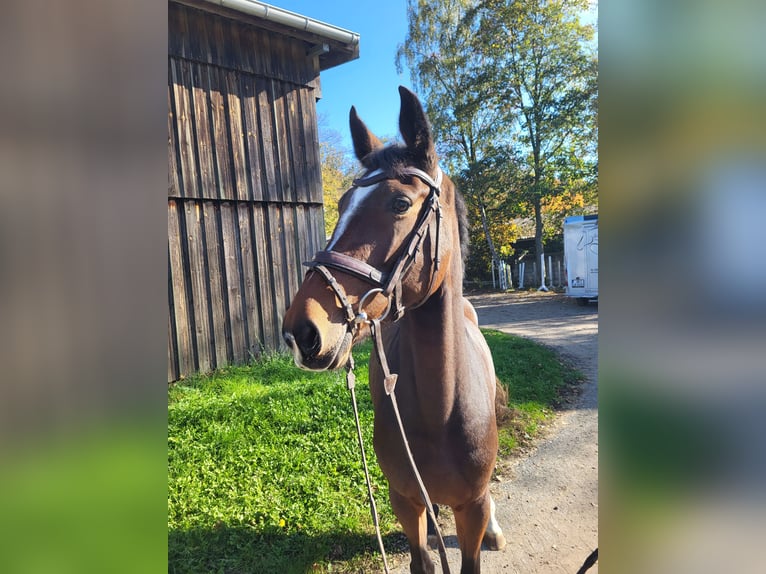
(434, 336)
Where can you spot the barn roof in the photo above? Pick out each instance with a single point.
(332, 44)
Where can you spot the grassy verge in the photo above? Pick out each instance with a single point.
(535, 380)
(263, 467)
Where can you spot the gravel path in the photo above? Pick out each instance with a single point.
(547, 500)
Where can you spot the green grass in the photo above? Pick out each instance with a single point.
(536, 381)
(264, 472)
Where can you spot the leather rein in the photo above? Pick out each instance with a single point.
(390, 285)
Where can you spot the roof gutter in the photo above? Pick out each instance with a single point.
(290, 19)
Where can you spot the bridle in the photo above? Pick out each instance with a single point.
(390, 286)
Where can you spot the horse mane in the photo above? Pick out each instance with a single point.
(393, 159)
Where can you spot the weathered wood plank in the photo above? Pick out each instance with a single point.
(253, 136)
(199, 285)
(262, 64)
(248, 48)
(230, 55)
(234, 283)
(280, 299)
(174, 185)
(317, 230)
(266, 132)
(181, 312)
(217, 284)
(178, 31)
(292, 253)
(221, 142)
(283, 166)
(203, 134)
(313, 164)
(250, 277)
(216, 41)
(297, 144)
(237, 135)
(172, 348)
(198, 35)
(265, 271)
(305, 241)
(181, 78)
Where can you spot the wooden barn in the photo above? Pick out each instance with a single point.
(244, 178)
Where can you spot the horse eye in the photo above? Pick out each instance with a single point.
(401, 204)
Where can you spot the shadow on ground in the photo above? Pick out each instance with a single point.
(243, 550)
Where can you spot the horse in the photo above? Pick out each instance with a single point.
(396, 254)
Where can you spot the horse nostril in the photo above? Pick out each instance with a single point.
(308, 340)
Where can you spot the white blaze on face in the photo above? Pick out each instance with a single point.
(355, 202)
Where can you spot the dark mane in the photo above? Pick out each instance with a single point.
(394, 158)
(462, 224)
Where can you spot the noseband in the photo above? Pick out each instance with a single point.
(389, 284)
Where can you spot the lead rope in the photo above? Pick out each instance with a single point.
(389, 384)
(351, 384)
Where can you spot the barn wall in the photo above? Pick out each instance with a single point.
(244, 187)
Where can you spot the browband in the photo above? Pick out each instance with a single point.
(419, 173)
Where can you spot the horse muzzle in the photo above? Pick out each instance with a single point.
(306, 343)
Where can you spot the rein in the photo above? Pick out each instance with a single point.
(390, 285)
(389, 384)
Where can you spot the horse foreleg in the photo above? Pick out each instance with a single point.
(471, 522)
(412, 516)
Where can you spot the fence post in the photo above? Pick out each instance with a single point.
(542, 273)
(550, 271)
(501, 275)
(522, 266)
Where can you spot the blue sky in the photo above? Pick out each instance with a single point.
(370, 83)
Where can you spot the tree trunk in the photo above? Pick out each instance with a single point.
(538, 228)
(485, 225)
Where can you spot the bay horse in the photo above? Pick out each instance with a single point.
(402, 230)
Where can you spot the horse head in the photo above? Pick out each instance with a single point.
(396, 238)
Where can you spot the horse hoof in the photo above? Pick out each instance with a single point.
(494, 541)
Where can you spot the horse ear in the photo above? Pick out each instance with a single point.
(364, 140)
(415, 128)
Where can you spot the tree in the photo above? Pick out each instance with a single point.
(446, 73)
(510, 87)
(543, 74)
(338, 171)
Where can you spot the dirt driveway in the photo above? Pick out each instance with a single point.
(547, 500)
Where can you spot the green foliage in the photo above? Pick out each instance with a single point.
(338, 171)
(544, 75)
(510, 87)
(264, 472)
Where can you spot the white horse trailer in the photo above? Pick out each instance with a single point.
(581, 257)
